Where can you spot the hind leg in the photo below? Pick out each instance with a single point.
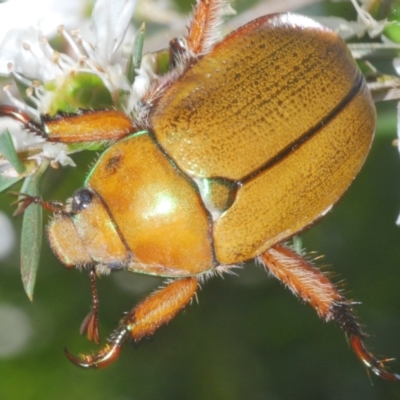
(312, 286)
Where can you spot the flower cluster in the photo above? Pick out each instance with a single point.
(47, 67)
(46, 81)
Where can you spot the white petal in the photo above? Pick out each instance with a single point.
(50, 13)
(21, 13)
(117, 78)
(110, 21)
(58, 152)
(22, 139)
(69, 13)
(24, 50)
(27, 21)
(346, 29)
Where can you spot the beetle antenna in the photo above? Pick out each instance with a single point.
(25, 200)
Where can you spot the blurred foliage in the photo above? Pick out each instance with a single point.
(248, 338)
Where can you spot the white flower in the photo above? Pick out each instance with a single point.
(373, 27)
(110, 22)
(27, 57)
(347, 29)
(17, 14)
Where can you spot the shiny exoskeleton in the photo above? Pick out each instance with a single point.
(243, 148)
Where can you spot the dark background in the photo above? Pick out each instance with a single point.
(248, 338)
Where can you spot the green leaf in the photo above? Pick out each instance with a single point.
(297, 243)
(392, 31)
(5, 183)
(31, 238)
(388, 10)
(90, 146)
(7, 149)
(136, 58)
(163, 61)
(82, 90)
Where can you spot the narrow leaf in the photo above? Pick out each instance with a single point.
(8, 150)
(297, 243)
(31, 238)
(136, 57)
(5, 183)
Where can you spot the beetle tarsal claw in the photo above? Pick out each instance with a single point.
(80, 361)
(23, 118)
(372, 363)
(107, 355)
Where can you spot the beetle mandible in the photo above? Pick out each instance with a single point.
(236, 150)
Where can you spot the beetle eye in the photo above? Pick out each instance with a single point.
(81, 200)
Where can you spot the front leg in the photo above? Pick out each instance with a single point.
(90, 324)
(312, 286)
(142, 321)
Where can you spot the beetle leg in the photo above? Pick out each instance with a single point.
(203, 26)
(149, 315)
(22, 117)
(82, 126)
(90, 324)
(87, 126)
(312, 286)
(25, 200)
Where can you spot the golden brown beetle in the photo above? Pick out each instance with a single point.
(239, 150)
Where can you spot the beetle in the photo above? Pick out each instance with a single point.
(234, 152)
